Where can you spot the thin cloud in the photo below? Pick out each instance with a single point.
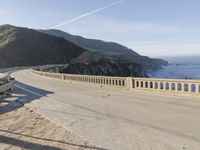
(88, 14)
(119, 27)
(154, 48)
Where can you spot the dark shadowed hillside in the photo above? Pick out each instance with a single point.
(106, 67)
(28, 47)
(109, 50)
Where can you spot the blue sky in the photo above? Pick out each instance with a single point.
(155, 28)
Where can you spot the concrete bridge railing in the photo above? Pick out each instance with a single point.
(171, 86)
(167, 86)
(112, 81)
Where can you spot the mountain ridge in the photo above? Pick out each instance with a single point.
(27, 47)
(21, 47)
(109, 50)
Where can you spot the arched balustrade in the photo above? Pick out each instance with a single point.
(161, 85)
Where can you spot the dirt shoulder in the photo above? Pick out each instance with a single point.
(24, 128)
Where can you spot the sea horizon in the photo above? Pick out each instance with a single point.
(180, 67)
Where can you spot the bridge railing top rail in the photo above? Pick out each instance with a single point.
(77, 75)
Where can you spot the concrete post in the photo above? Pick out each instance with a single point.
(159, 86)
(176, 87)
(63, 77)
(197, 88)
(154, 85)
(130, 82)
(170, 86)
(190, 88)
(149, 86)
(139, 84)
(183, 87)
(164, 86)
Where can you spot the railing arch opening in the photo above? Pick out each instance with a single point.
(137, 84)
(161, 85)
(116, 82)
(141, 84)
(123, 83)
(180, 87)
(173, 86)
(151, 85)
(146, 84)
(113, 82)
(186, 87)
(156, 85)
(193, 88)
(167, 86)
(120, 82)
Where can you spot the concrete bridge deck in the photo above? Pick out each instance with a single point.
(114, 118)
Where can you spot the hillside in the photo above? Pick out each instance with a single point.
(109, 50)
(106, 67)
(28, 47)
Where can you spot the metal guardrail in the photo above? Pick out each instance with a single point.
(6, 83)
(8, 87)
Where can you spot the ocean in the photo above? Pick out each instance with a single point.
(179, 68)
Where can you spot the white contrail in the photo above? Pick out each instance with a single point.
(87, 14)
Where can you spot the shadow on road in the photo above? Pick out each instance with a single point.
(25, 144)
(21, 97)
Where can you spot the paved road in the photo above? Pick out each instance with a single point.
(114, 118)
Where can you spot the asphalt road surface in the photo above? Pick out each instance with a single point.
(114, 118)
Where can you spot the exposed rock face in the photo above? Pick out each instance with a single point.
(85, 57)
(105, 67)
